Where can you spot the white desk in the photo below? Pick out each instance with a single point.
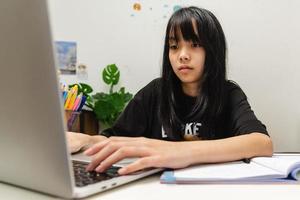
(150, 188)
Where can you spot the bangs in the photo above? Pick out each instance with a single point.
(184, 27)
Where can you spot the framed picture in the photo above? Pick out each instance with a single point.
(66, 53)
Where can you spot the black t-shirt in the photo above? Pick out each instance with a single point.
(141, 117)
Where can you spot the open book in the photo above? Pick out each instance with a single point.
(278, 168)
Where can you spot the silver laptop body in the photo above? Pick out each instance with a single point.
(32, 141)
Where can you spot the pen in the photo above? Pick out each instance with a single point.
(77, 102)
(67, 101)
(65, 92)
(72, 98)
(83, 99)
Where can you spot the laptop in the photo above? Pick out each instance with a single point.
(33, 147)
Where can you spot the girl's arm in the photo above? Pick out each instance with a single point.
(229, 149)
(166, 154)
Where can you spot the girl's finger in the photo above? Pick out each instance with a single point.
(96, 148)
(140, 164)
(120, 154)
(102, 155)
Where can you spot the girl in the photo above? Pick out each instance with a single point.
(191, 115)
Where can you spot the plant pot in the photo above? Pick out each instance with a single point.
(88, 123)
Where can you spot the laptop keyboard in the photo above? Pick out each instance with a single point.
(83, 178)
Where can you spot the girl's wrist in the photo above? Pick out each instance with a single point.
(93, 139)
(191, 152)
(184, 153)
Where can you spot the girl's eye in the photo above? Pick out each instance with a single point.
(173, 46)
(195, 45)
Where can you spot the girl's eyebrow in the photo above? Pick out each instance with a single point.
(172, 38)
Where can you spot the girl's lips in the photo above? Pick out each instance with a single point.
(184, 68)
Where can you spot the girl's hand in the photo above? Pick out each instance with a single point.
(151, 153)
(78, 141)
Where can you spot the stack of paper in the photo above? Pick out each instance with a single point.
(278, 168)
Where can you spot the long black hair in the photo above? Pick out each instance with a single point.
(210, 101)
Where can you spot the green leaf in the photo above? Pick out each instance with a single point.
(122, 90)
(89, 102)
(127, 97)
(99, 96)
(111, 74)
(103, 110)
(118, 102)
(85, 88)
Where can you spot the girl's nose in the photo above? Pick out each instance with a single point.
(184, 56)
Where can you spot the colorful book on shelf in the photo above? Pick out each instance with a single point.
(278, 168)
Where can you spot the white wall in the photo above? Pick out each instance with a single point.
(263, 49)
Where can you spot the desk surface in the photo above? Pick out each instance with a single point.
(150, 188)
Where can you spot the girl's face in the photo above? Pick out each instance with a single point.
(187, 59)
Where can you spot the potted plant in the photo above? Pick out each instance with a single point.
(107, 106)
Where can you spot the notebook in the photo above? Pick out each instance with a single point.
(278, 168)
(33, 148)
